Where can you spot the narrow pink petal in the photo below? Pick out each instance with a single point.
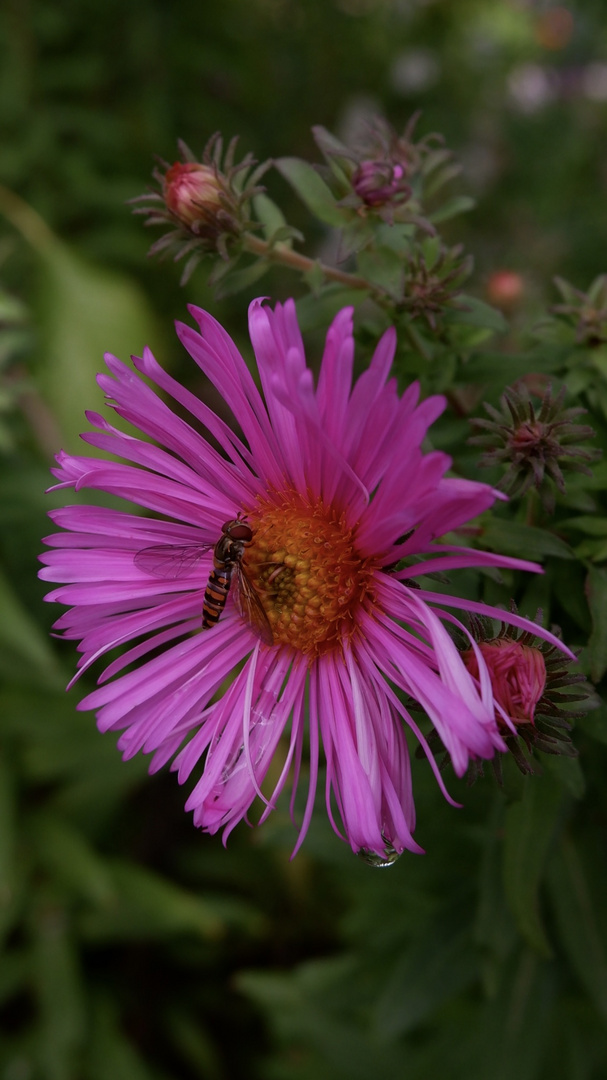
(496, 613)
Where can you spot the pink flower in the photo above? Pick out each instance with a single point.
(335, 490)
(518, 676)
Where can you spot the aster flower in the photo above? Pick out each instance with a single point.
(328, 509)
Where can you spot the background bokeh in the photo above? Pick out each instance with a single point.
(132, 945)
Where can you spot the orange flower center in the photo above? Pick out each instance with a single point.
(307, 572)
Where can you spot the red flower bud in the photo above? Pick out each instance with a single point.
(191, 191)
(377, 182)
(518, 676)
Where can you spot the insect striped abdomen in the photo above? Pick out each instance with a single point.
(216, 594)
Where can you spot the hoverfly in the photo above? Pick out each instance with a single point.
(172, 561)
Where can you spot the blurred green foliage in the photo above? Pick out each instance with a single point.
(131, 945)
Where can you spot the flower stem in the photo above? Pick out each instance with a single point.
(280, 253)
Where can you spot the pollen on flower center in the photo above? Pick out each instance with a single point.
(307, 572)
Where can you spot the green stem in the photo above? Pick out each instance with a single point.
(280, 253)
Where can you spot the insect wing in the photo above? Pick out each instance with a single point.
(170, 561)
(250, 606)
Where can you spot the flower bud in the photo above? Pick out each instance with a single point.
(191, 191)
(518, 676)
(205, 205)
(377, 182)
(536, 444)
(505, 289)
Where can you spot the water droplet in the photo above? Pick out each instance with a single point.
(373, 859)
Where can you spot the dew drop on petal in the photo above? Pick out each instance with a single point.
(371, 858)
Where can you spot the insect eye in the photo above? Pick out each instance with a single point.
(238, 531)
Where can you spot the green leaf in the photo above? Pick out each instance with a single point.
(15, 973)
(237, 280)
(502, 369)
(148, 905)
(597, 293)
(59, 987)
(596, 594)
(83, 312)
(274, 223)
(195, 1044)
(460, 204)
(435, 968)
(595, 723)
(384, 268)
(315, 278)
(14, 343)
(329, 143)
(306, 1008)
(530, 826)
(474, 312)
(72, 860)
(593, 526)
(525, 541)
(400, 238)
(312, 189)
(12, 310)
(568, 292)
(567, 771)
(318, 310)
(493, 924)
(284, 235)
(269, 214)
(110, 1054)
(576, 915)
(22, 640)
(355, 235)
(431, 249)
(8, 814)
(594, 550)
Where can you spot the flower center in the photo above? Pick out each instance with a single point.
(305, 568)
